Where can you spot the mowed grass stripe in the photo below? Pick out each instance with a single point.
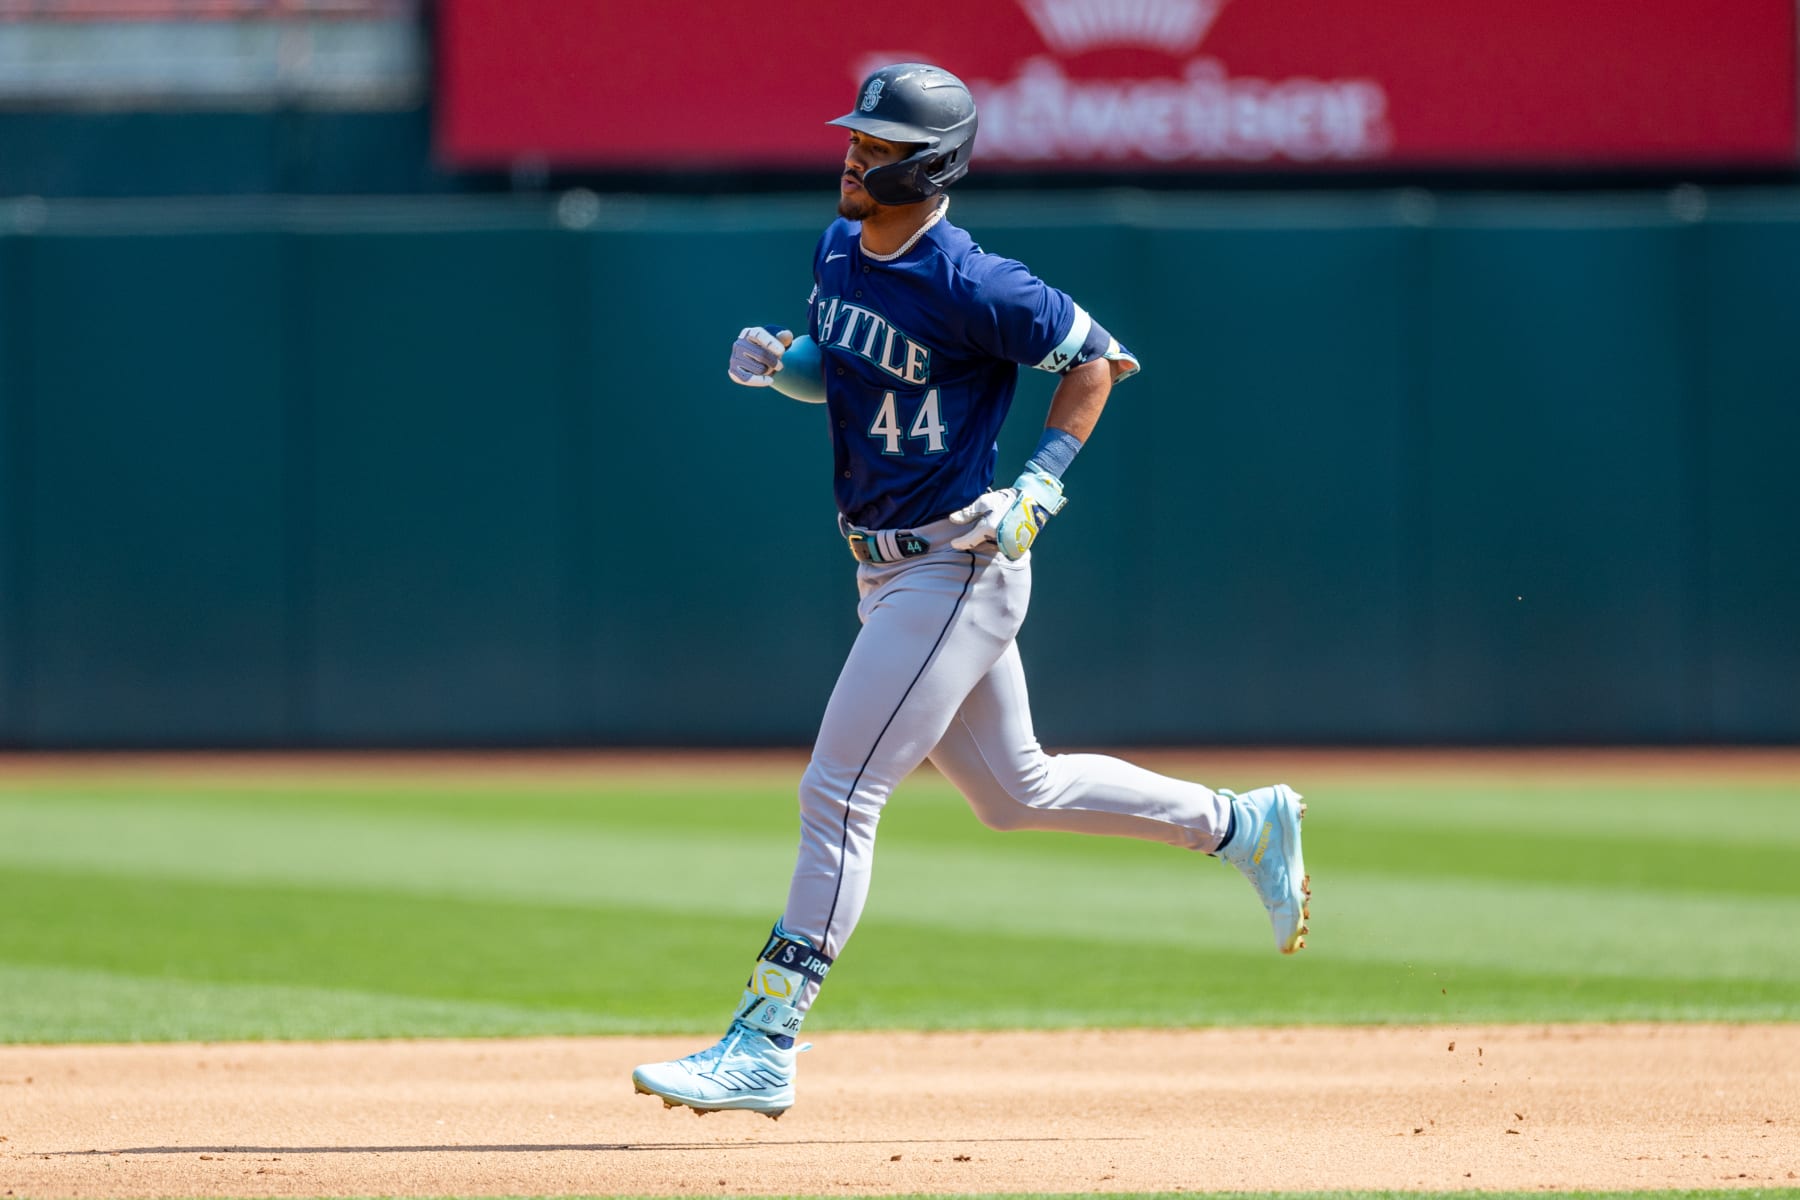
(1751, 811)
(1613, 837)
(1154, 896)
(528, 909)
(1136, 894)
(553, 959)
(532, 862)
(1734, 813)
(68, 1004)
(1742, 840)
(628, 970)
(626, 801)
(1692, 865)
(1737, 814)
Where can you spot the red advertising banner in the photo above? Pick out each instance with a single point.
(1131, 84)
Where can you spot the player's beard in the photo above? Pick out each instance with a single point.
(857, 206)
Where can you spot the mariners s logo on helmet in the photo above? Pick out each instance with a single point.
(872, 96)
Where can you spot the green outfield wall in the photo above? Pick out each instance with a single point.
(1400, 468)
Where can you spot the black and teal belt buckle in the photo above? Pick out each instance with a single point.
(866, 549)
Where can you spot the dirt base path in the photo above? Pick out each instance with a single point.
(1588, 1107)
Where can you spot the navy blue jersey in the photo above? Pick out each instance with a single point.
(921, 354)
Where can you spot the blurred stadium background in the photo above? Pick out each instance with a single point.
(361, 367)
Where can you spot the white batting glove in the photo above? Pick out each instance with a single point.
(1011, 517)
(756, 356)
(985, 514)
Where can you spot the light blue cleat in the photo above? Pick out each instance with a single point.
(1265, 846)
(745, 1069)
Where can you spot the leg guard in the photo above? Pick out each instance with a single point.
(787, 964)
(752, 1066)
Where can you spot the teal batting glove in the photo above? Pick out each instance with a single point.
(1040, 497)
(1011, 517)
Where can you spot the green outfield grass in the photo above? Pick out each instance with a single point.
(271, 906)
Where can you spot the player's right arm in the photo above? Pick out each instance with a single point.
(769, 356)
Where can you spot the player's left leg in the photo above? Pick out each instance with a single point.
(991, 753)
(752, 1066)
(932, 627)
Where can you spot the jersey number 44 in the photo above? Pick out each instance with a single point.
(927, 425)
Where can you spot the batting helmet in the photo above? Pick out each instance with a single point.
(921, 106)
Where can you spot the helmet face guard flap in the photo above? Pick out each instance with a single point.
(918, 105)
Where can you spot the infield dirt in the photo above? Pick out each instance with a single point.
(1422, 1107)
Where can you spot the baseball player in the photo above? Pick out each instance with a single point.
(915, 336)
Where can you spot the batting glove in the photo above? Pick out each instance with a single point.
(756, 355)
(1011, 517)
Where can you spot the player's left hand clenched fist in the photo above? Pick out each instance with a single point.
(1011, 517)
(756, 355)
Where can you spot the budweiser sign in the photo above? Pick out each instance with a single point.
(1199, 113)
(1098, 85)
(1191, 110)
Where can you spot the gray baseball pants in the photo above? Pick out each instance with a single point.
(935, 673)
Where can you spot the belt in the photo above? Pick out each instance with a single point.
(885, 545)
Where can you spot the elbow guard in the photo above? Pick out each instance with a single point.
(802, 374)
(1086, 341)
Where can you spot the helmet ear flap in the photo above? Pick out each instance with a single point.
(904, 182)
(951, 165)
(919, 176)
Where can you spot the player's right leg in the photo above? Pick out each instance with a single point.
(991, 753)
(1265, 846)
